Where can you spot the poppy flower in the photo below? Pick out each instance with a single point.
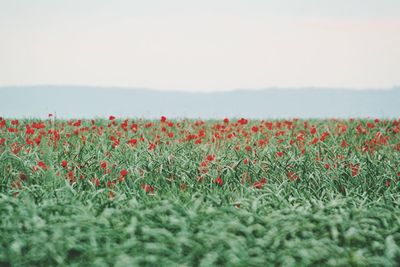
(148, 188)
(324, 136)
(344, 143)
(242, 121)
(132, 142)
(219, 181)
(124, 173)
(292, 176)
(354, 169)
(96, 181)
(210, 157)
(64, 163)
(42, 165)
(260, 184)
(103, 165)
(313, 130)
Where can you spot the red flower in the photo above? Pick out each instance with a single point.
(292, 176)
(42, 165)
(152, 146)
(132, 142)
(163, 119)
(64, 163)
(260, 184)
(226, 120)
(218, 181)
(324, 136)
(96, 181)
(354, 169)
(210, 157)
(344, 143)
(327, 166)
(103, 165)
(148, 188)
(254, 129)
(124, 173)
(242, 121)
(313, 130)
(111, 118)
(279, 153)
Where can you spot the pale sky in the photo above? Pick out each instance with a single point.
(205, 45)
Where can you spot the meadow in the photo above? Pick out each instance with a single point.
(234, 192)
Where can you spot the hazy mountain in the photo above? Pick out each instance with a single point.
(80, 101)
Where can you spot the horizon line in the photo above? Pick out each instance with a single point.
(269, 88)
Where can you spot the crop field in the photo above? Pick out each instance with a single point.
(231, 192)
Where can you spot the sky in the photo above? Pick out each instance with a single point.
(208, 45)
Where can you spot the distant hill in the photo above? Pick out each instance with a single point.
(81, 101)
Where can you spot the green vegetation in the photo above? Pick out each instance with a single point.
(199, 193)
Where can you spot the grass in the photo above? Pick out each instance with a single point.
(132, 194)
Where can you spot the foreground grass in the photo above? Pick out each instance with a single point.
(167, 210)
(202, 231)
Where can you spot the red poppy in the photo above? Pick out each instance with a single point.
(344, 143)
(96, 181)
(103, 165)
(355, 168)
(64, 163)
(132, 142)
(324, 136)
(219, 181)
(260, 184)
(313, 130)
(42, 165)
(242, 121)
(210, 157)
(148, 188)
(124, 173)
(292, 176)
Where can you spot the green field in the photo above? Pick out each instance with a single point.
(242, 192)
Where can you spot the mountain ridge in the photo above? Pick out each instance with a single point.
(71, 101)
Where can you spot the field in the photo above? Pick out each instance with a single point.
(235, 192)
